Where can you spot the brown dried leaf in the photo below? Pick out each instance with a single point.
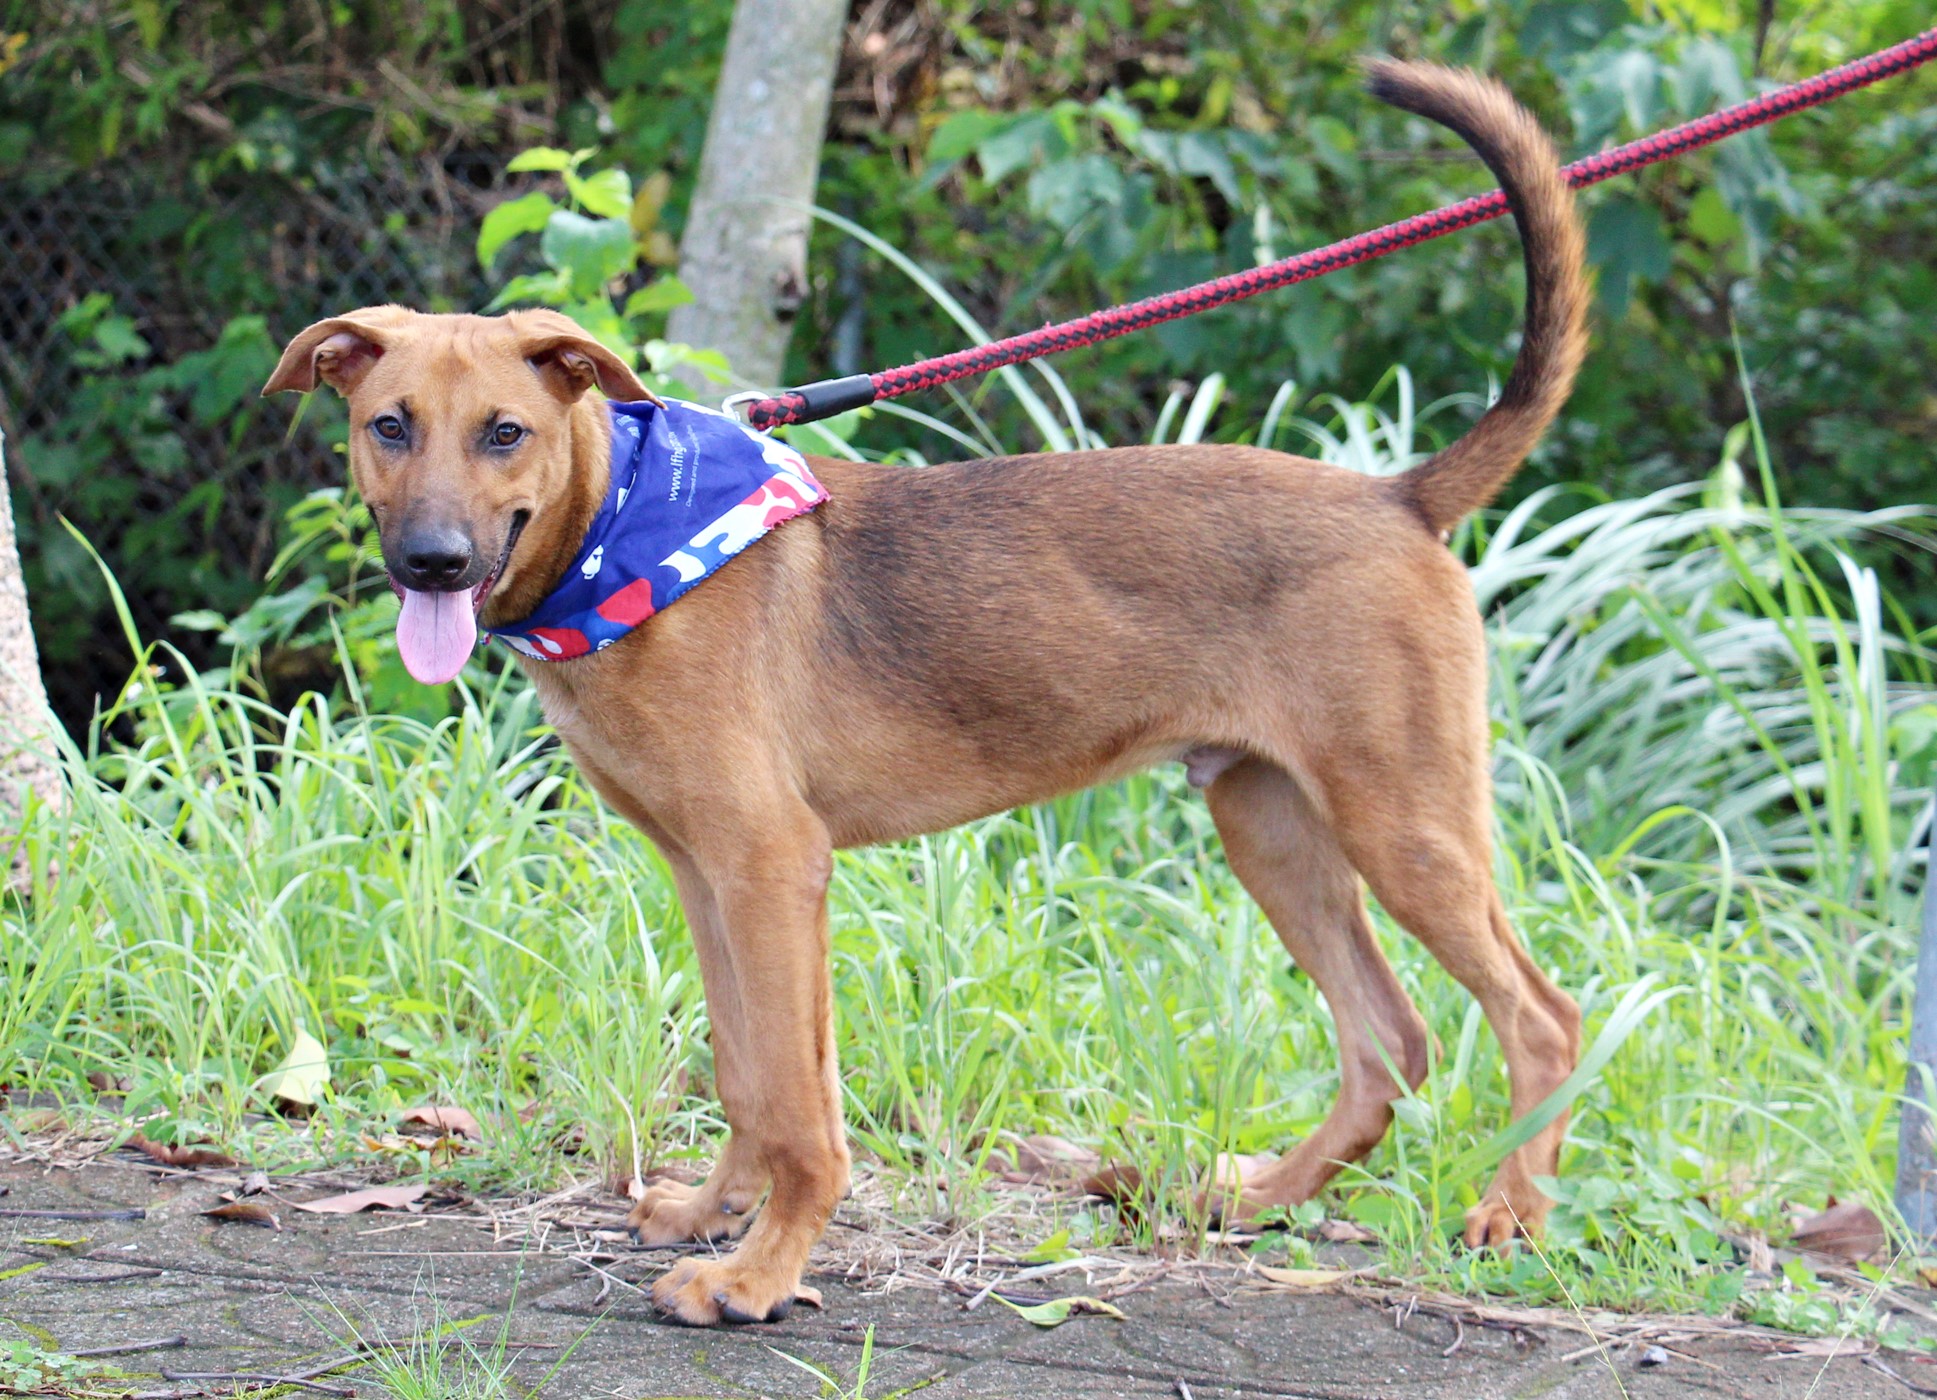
(379, 1197)
(1040, 1159)
(40, 1120)
(1120, 1184)
(1345, 1232)
(1232, 1169)
(1046, 1157)
(1847, 1230)
(104, 1083)
(446, 1120)
(246, 1213)
(170, 1155)
(254, 1184)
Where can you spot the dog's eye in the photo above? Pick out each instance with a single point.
(388, 428)
(506, 435)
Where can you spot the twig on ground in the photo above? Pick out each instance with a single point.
(1594, 1348)
(1183, 1389)
(999, 1290)
(129, 1213)
(258, 1379)
(609, 1278)
(1459, 1339)
(130, 1348)
(1880, 1364)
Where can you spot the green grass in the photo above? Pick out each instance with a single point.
(1711, 739)
(441, 1359)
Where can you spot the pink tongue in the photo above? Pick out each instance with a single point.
(436, 633)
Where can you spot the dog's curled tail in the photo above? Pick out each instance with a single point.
(1454, 482)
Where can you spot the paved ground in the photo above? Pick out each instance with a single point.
(247, 1299)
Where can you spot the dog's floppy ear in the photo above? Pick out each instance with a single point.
(570, 360)
(338, 351)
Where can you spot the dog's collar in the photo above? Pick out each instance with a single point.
(690, 489)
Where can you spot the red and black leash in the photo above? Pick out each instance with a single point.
(828, 397)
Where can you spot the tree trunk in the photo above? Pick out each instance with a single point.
(744, 252)
(26, 724)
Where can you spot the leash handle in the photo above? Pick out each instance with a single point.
(827, 397)
(824, 398)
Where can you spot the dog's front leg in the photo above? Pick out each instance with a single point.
(782, 1095)
(672, 1213)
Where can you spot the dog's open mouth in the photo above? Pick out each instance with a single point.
(437, 632)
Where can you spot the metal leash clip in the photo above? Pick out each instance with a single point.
(734, 405)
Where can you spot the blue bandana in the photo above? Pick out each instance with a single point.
(690, 489)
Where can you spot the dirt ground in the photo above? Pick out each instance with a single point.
(249, 1299)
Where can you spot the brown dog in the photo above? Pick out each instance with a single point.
(935, 645)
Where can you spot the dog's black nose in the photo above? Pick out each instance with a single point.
(434, 557)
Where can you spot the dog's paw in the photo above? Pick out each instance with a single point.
(706, 1292)
(1495, 1223)
(1226, 1210)
(672, 1212)
(1252, 1190)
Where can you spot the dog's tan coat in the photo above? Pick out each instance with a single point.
(933, 645)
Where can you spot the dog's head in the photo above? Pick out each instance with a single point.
(467, 437)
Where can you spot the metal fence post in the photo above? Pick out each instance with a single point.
(1916, 1153)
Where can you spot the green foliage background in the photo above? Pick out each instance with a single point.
(1039, 159)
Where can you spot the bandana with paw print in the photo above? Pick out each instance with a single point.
(691, 488)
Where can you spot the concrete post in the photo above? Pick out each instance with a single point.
(1916, 1153)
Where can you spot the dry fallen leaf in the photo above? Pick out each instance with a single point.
(246, 1213)
(1232, 1169)
(1847, 1230)
(1345, 1232)
(296, 1082)
(170, 1155)
(1041, 1159)
(1301, 1278)
(104, 1083)
(380, 1197)
(254, 1184)
(1829, 1346)
(446, 1121)
(1119, 1184)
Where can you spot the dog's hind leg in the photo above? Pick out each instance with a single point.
(672, 1212)
(1282, 849)
(1426, 851)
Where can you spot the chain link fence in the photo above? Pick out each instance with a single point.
(178, 478)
